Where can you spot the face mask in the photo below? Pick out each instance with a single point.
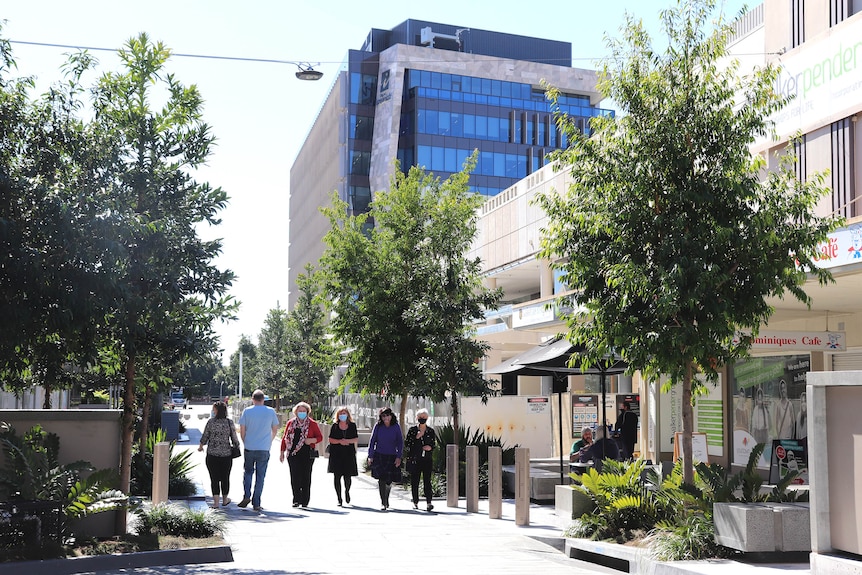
(422, 420)
(342, 417)
(212, 414)
(302, 414)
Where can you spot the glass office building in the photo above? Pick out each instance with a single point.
(428, 94)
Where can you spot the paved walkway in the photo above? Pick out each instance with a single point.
(359, 539)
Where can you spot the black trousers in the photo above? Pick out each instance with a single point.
(219, 470)
(300, 476)
(423, 468)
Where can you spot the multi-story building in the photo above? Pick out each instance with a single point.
(429, 94)
(818, 43)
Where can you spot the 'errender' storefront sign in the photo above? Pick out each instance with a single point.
(824, 79)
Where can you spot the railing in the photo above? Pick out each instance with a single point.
(30, 524)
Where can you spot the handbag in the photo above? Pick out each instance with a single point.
(313, 453)
(234, 451)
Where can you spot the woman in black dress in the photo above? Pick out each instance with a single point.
(343, 438)
(419, 445)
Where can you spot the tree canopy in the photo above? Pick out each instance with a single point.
(404, 295)
(669, 234)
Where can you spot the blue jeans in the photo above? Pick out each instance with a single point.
(255, 463)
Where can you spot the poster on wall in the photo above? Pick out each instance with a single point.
(788, 456)
(708, 416)
(585, 412)
(708, 411)
(769, 404)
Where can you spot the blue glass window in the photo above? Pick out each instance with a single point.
(420, 121)
(486, 163)
(423, 157)
(486, 86)
(469, 126)
(435, 80)
(494, 129)
(504, 130)
(456, 125)
(511, 165)
(496, 87)
(450, 159)
(431, 125)
(500, 165)
(446, 81)
(443, 123)
(437, 161)
(482, 127)
(461, 156)
(466, 82)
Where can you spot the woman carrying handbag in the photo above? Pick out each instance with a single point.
(220, 437)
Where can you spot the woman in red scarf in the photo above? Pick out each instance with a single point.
(299, 443)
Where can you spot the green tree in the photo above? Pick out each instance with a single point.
(272, 359)
(311, 356)
(171, 291)
(56, 252)
(405, 296)
(249, 370)
(668, 234)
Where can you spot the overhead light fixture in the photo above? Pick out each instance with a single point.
(306, 72)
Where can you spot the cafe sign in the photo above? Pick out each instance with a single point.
(800, 340)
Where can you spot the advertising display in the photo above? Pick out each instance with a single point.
(789, 455)
(769, 404)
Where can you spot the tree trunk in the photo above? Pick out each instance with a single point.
(401, 415)
(145, 420)
(128, 431)
(46, 404)
(456, 419)
(687, 427)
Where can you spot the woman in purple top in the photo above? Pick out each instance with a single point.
(384, 454)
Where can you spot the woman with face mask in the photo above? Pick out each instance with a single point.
(299, 441)
(419, 446)
(343, 438)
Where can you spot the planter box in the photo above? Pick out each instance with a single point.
(571, 503)
(763, 527)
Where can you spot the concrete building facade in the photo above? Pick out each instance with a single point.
(429, 94)
(819, 45)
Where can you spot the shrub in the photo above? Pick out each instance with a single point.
(692, 539)
(42, 497)
(180, 466)
(446, 436)
(179, 521)
(625, 505)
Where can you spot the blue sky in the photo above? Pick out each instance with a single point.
(259, 112)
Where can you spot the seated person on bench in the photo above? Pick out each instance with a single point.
(581, 445)
(603, 448)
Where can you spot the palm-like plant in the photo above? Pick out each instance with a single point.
(32, 472)
(624, 501)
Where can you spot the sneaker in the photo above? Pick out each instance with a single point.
(296, 503)
(244, 503)
(430, 507)
(257, 508)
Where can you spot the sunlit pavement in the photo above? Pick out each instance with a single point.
(359, 538)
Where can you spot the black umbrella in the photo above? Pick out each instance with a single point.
(554, 357)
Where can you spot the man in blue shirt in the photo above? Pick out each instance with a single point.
(258, 425)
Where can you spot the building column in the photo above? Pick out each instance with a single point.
(546, 279)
